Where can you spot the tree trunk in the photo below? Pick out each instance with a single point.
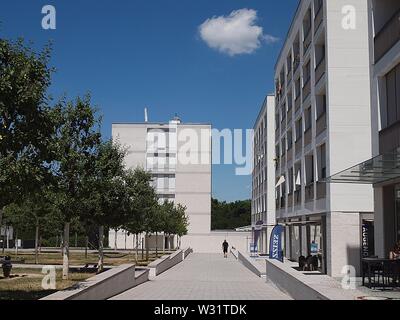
(4, 239)
(156, 244)
(137, 247)
(16, 242)
(66, 251)
(76, 240)
(147, 246)
(101, 254)
(86, 246)
(1, 225)
(164, 243)
(115, 240)
(37, 242)
(142, 249)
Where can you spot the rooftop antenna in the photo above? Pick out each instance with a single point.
(146, 119)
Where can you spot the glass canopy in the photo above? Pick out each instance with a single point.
(380, 169)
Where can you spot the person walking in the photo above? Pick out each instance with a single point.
(225, 246)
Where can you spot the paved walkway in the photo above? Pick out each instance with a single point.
(205, 277)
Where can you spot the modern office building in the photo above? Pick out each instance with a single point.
(178, 156)
(263, 177)
(323, 126)
(383, 170)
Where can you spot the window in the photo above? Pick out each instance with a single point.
(321, 162)
(393, 96)
(321, 105)
(317, 5)
(307, 23)
(306, 73)
(289, 63)
(297, 88)
(299, 129)
(277, 121)
(289, 139)
(309, 162)
(307, 119)
(290, 184)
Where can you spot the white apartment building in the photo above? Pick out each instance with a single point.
(178, 155)
(323, 126)
(263, 177)
(382, 170)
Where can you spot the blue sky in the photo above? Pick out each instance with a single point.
(132, 54)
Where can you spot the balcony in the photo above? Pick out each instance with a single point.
(319, 17)
(321, 124)
(307, 137)
(309, 192)
(387, 37)
(320, 70)
(307, 40)
(321, 190)
(306, 89)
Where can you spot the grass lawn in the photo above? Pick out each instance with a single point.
(78, 258)
(28, 284)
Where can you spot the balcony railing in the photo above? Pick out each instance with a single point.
(321, 124)
(321, 190)
(306, 89)
(319, 17)
(387, 37)
(320, 70)
(309, 192)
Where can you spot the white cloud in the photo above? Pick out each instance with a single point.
(236, 33)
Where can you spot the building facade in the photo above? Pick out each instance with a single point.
(263, 177)
(382, 170)
(323, 126)
(178, 156)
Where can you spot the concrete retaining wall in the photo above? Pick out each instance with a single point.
(307, 285)
(249, 264)
(168, 261)
(104, 285)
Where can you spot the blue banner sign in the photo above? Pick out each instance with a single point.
(275, 244)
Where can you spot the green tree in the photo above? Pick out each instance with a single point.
(76, 139)
(25, 128)
(230, 215)
(108, 195)
(144, 205)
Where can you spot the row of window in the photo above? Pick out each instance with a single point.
(295, 177)
(293, 60)
(299, 129)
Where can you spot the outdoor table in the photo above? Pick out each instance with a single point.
(387, 269)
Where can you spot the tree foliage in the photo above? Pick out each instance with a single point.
(225, 216)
